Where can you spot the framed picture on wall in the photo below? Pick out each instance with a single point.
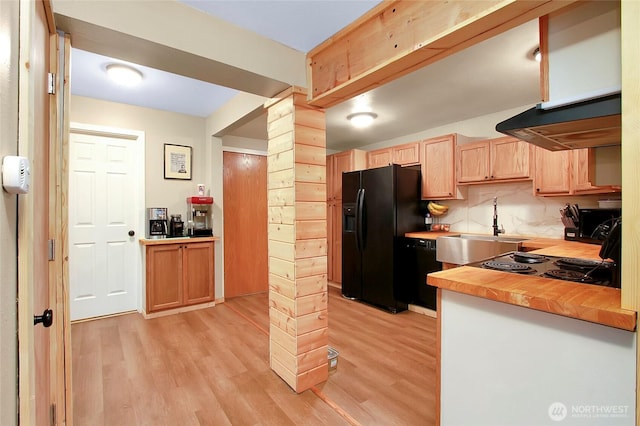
(177, 162)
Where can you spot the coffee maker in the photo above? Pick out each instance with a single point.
(176, 226)
(157, 222)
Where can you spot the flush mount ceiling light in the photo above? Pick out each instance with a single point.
(362, 119)
(124, 74)
(537, 55)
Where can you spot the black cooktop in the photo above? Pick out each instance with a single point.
(562, 268)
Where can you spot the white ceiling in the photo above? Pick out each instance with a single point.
(492, 76)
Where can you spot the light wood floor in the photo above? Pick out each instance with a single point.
(211, 367)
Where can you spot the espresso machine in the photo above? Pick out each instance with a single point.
(200, 216)
(157, 226)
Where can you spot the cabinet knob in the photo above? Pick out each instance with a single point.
(538, 189)
(132, 233)
(491, 176)
(486, 177)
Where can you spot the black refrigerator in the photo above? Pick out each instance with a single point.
(378, 205)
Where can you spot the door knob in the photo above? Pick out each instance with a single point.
(132, 233)
(46, 318)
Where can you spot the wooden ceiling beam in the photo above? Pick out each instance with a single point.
(400, 36)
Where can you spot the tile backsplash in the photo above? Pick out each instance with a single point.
(519, 211)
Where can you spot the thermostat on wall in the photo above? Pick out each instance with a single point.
(16, 174)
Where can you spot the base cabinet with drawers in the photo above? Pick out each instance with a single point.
(179, 274)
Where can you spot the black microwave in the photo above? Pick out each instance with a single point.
(594, 224)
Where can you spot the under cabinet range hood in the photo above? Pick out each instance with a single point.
(586, 124)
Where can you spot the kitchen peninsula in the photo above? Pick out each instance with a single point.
(503, 337)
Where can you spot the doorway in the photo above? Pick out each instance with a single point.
(106, 167)
(245, 224)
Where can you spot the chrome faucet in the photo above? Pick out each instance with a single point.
(496, 230)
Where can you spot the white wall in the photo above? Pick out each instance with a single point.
(584, 50)
(249, 145)
(477, 128)
(506, 365)
(160, 127)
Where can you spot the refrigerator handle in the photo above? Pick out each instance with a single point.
(359, 218)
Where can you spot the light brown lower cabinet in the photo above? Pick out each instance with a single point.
(179, 275)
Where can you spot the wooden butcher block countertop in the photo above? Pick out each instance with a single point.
(175, 240)
(592, 303)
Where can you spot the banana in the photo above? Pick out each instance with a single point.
(433, 212)
(437, 209)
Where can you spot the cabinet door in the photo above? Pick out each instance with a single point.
(379, 158)
(330, 176)
(198, 269)
(347, 161)
(583, 165)
(552, 172)
(583, 170)
(438, 168)
(406, 155)
(341, 164)
(510, 159)
(164, 277)
(473, 162)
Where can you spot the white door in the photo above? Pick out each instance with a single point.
(102, 213)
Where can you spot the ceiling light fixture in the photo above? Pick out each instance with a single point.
(124, 74)
(537, 55)
(362, 119)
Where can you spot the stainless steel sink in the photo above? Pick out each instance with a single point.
(464, 249)
(490, 238)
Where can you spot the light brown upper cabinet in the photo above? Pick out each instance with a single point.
(337, 164)
(346, 161)
(552, 175)
(406, 155)
(502, 159)
(567, 173)
(438, 168)
(584, 174)
(379, 158)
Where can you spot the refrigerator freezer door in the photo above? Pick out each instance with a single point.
(351, 255)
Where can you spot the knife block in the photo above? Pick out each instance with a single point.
(571, 234)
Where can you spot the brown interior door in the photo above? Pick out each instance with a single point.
(245, 224)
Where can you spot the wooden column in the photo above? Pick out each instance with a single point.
(297, 240)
